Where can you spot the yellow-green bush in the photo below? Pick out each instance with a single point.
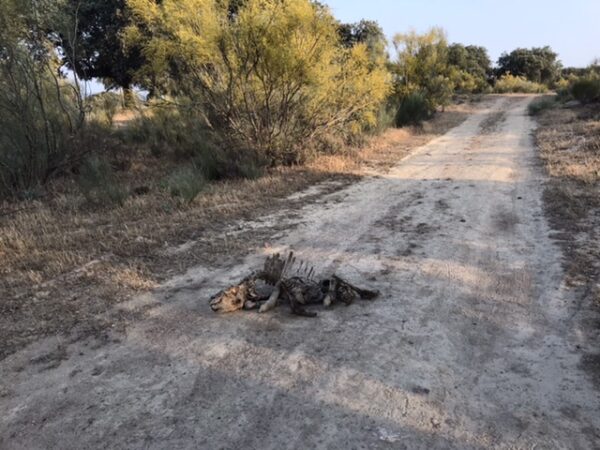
(422, 67)
(518, 84)
(271, 78)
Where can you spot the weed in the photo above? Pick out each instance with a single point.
(541, 104)
(186, 183)
(98, 183)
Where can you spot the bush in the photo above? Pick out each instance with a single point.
(40, 113)
(168, 130)
(386, 118)
(413, 110)
(103, 107)
(186, 183)
(541, 104)
(586, 90)
(422, 66)
(39, 118)
(98, 183)
(518, 84)
(271, 80)
(180, 133)
(563, 89)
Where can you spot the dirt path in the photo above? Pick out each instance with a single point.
(471, 345)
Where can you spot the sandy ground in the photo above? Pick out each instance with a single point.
(472, 344)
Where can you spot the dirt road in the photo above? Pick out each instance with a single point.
(472, 344)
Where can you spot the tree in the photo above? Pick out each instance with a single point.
(95, 49)
(472, 59)
(422, 67)
(272, 78)
(540, 65)
(366, 32)
(40, 113)
(470, 67)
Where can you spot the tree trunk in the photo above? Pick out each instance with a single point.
(128, 97)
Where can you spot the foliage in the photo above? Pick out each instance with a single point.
(470, 68)
(538, 65)
(541, 104)
(366, 32)
(578, 72)
(413, 110)
(172, 130)
(40, 113)
(562, 88)
(422, 66)
(178, 131)
(271, 78)
(91, 43)
(586, 90)
(186, 182)
(386, 118)
(103, 107)
(510, 83)
(471, 58)
(98, 183)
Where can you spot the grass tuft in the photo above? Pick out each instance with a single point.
(541, 104)
(99, 184)
(186, 183)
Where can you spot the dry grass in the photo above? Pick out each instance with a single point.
(569, 142)
(63, 264)
(383, 151)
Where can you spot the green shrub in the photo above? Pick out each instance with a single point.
(167, 130)
(180, 133)
(98, 183)
(518, 84)
(413, 110)
(586, 90)
(39, 119)
(103, 107)
(186, 183)
(40, 112)
(386, 118)
(541, 104)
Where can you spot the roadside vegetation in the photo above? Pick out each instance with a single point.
(568, 136)
(246, 101)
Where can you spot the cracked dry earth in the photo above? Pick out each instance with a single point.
(473, 343)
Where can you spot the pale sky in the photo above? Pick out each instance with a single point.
(570, 27)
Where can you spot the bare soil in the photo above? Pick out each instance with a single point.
(64, 264)
(476, 341)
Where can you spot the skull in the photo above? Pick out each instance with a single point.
(231, 299)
